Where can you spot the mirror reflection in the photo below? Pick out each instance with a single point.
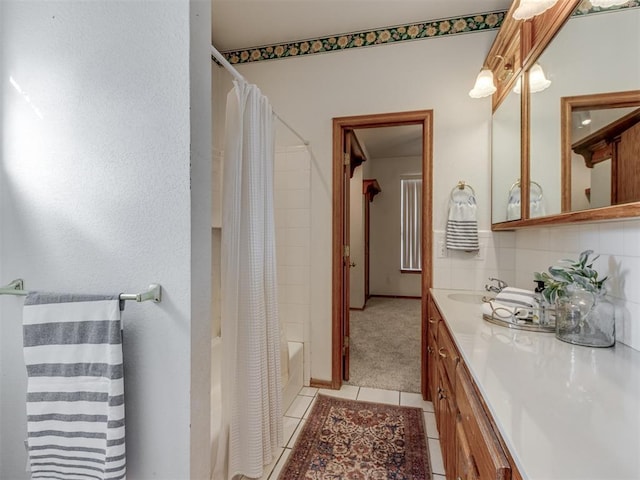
(605, 148)
(579, 61)
(505, 154)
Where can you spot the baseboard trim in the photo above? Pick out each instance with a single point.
(321, 384)
(397, 296)
(356, 308)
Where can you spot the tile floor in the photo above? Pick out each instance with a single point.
(296, 416)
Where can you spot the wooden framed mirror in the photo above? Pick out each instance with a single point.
(601, 150)
(593, 64)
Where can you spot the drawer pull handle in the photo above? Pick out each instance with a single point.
(432, 321)
(442, 353)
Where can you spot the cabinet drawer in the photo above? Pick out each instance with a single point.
(485, 447)
(447, 352)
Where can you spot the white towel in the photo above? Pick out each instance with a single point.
(536, 203)
(518, 297)
(462, 225)
(513, 203)
(505, 312)
(75, 387)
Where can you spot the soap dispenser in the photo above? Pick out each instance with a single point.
(541, 310)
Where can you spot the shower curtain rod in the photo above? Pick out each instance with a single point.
(225, 63)
(154, 292)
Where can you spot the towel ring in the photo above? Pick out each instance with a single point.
(461, 186)
(531, 182)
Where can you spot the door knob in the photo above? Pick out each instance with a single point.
(352, 264)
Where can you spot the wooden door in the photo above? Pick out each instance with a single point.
(346, 259)
(627, 165)
(339, 317)
(446, 412)
(367, 204)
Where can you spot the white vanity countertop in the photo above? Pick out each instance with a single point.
(564, 411)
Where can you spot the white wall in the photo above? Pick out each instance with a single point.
(97, 196)
(385, 277)
(430, 74)
(356, 239)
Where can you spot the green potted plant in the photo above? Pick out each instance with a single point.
(583, 314)
(580, 272)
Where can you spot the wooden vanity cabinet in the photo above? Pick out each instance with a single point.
(486, 450)
(466, 468)
(446, 419)
(433, 318)
(471, 447)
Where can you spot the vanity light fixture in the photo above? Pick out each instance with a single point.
(530, 8)
(607, 3)
(537, 80)
(484, 84)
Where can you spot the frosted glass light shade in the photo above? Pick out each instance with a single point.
(607, 3)
(518, 88)
(537, 80)
(530, 8)
(484, 84)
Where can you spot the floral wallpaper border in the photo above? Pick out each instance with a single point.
(401, 33)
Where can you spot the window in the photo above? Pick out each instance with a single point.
(411, 223)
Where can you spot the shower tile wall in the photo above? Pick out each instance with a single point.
(292, 195)
(292, 199)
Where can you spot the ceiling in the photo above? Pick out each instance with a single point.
(239, 24)
(387, 142)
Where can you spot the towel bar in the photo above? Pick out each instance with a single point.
(154, 292)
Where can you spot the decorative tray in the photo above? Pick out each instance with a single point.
(525, 325)
(516, 322)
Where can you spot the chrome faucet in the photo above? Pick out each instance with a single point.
(495, 288)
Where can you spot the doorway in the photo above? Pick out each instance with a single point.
(342, 165)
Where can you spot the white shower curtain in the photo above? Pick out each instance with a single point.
(251, 384)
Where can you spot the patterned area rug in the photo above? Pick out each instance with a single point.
(348, 439)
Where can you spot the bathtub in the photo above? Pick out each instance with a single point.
(289, 390)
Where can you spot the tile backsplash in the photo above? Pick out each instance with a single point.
(515, 256)
(617, 243)
(471, 270)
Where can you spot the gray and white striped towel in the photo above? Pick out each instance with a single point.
(462, 225)
(75, 387)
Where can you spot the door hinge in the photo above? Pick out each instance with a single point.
(346, 251)
(347, 159)
(345, 345)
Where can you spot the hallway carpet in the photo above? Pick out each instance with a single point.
(348, 439)
(385, 344)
